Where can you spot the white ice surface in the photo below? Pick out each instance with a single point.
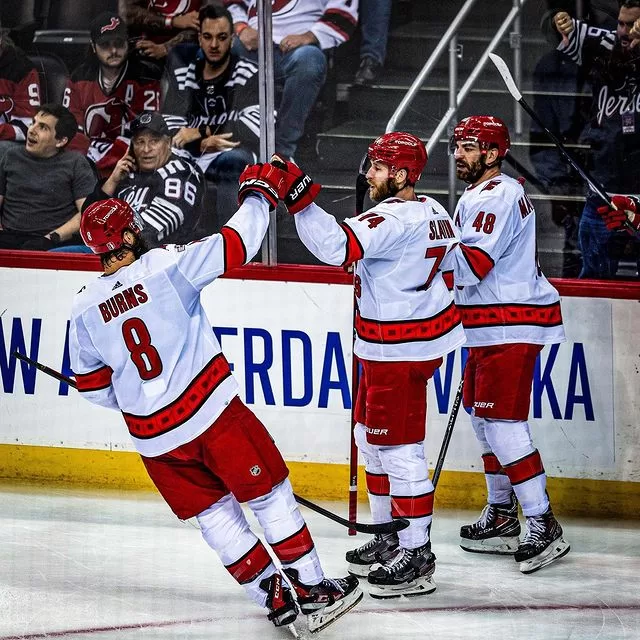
(108, 566)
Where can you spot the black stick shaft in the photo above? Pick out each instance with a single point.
(447, 435)
(586, 176)
(41, 367)
(388, 527)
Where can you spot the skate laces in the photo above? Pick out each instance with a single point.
(399, 562)
(487, 516)
(367, 546)
(535, 530)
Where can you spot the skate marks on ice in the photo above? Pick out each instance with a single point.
(90, 566)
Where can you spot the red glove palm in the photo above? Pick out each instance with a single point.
(299, 190)
(626, 211)
(264, 179)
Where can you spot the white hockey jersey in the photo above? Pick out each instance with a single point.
(404, 308)
(141, 342)
(331, 21)
(500, 290)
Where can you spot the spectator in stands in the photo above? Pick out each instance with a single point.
(375, 16)
(165, 190)
(108, 91)
(19, 93)
(301, 33)
(43, 185)
(612, 60)
(159, 25)
(215, 93)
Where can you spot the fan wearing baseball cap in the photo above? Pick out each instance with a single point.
(165, 190)
(108, 91)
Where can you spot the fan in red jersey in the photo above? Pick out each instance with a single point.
(108, 91)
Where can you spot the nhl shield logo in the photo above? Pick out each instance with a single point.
(255, 470)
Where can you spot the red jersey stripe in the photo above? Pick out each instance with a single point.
(354, 250)
(492, 464)
(491, 315)
(377, 483)
(524, 469)
(294, 547)
(391, 332)
(251, 565)
(183, 407)
(412, 506)
(478, 260)
(95, 380)
(235, 253)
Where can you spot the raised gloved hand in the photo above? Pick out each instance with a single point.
(299, 190)
(625, 216)
(265, 179)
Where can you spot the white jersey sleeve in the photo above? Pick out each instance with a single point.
(203, 261)
(372, 234)
(88, 364)
(487, 226)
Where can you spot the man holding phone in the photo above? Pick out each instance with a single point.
(164, 189)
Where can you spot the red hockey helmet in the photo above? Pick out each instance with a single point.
(485, 130)
(103, 223)
(400, 150)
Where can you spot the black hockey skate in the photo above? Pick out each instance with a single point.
(380, 549)
(409, 573)
(497, 530)
(327, 601)
(542, 544)
(282, 607)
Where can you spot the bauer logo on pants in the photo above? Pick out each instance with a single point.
(255, 471)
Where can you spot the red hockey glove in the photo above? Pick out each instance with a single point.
(264, 179)
(627, 211)
(300, 190)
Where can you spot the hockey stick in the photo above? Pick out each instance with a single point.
(388, 527)
(41, 367)
(447, 434)
(361, 190)
(599, 190)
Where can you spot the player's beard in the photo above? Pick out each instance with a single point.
(387, 189)
(474, 171)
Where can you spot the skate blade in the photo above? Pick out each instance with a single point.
(323, 618)
(292, 630)
(360, 570)
(420, 587)
(507, 546)
(556, 550)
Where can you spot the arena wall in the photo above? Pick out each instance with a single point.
(287, 332)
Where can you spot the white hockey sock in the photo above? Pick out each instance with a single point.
(511, 442)
(411, 490)
(226, 530)
(286, 532)
(377, 479)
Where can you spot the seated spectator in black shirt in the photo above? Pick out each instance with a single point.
(163, 189)
(215, 95)
(42, 185)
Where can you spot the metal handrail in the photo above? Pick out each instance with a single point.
(429, 65)
(473, 76)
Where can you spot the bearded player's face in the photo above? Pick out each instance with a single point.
(215, 41)
(470, 163)
(380, 184)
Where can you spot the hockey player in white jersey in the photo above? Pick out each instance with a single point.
(405, 323)
(141, 343)
(509, 312)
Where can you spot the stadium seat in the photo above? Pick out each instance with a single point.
(19, 19)
(53, 76)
